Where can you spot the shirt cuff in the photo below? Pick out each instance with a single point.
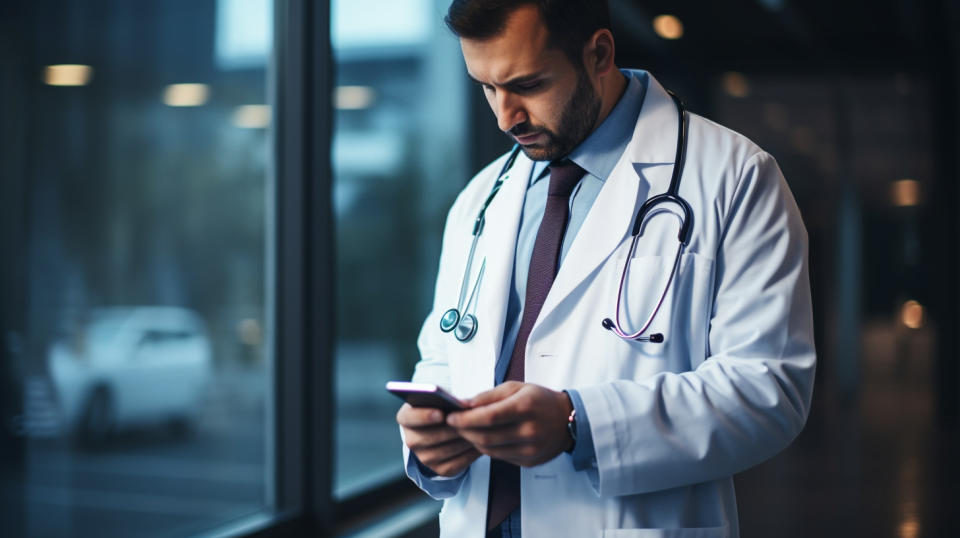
(584, 455)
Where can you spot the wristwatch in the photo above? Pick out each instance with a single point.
(572, 427)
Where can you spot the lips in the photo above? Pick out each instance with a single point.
(526, 140)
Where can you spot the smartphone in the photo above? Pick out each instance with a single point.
(425, 395)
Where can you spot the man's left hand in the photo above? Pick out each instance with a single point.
(521, 423)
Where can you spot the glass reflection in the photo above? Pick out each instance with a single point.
(139, 367)
(399, 155)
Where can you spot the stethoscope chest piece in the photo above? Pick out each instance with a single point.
(463, 327)
(459, 320)
(466, 328)
(449, 320)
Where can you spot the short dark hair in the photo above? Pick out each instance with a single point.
(570, 23)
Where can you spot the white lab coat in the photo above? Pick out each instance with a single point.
(672, 422)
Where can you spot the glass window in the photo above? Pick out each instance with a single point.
(399, 158)
(142, 186)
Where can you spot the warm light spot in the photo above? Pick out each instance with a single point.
(905, 192)
(668, 27)
(909, 528)
(911, 314)
(186, 94)
(252, 116)
(353, 97)
(736, 85)
(67, 75)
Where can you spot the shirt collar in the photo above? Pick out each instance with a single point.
(600, 151)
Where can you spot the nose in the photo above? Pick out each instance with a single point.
(508, 110)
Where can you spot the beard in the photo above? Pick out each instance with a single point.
(577, 119)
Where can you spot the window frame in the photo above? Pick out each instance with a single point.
(303, 280)
(301, 284)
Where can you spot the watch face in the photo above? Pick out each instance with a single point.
(572, 430)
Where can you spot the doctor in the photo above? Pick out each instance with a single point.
(617, 375)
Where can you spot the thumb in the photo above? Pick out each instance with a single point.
(500, 392)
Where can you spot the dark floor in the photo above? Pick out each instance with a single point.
(874, 464)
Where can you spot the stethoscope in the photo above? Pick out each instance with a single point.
(646, 210)
(464, 324)
(459, 320)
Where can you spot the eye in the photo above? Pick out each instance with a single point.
(528, 86)
(483, 86)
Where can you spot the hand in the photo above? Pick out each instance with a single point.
(435, 444)
(521, 423)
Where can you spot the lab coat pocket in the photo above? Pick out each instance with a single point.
(672, 302)
(644, 282)
(693, 532)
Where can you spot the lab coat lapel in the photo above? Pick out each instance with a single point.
(500, 244)
(644, 167)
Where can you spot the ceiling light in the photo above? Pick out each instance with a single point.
(668, 27)
(905, 192)
(911, 314)
(353, 97)
(252, 116)
(186, 94)
(67, 75)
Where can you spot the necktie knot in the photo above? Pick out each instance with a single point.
(564, 176)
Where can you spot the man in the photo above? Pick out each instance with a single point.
(572, 430)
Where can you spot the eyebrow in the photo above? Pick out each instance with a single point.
(512, 82)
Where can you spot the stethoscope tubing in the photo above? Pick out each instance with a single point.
(466, 273)
(616, 328)
(459, 320)
(672, 196)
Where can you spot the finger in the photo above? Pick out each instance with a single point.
(457, 464)
(490, 438)
(438, 454)
(425, 437)
(501, 391)
(499, 413)
(413, 417)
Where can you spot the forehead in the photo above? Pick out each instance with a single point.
(520, 49)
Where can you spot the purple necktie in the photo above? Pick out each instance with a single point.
(505, 477)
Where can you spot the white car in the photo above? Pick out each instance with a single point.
(131, 366)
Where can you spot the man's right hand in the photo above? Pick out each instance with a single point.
(435, 444)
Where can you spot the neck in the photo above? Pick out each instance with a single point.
(611, 90)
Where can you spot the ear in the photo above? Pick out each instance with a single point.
(599, 53)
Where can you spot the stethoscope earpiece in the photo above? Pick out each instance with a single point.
(655, 338)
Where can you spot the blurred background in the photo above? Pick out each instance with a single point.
(141, 196)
